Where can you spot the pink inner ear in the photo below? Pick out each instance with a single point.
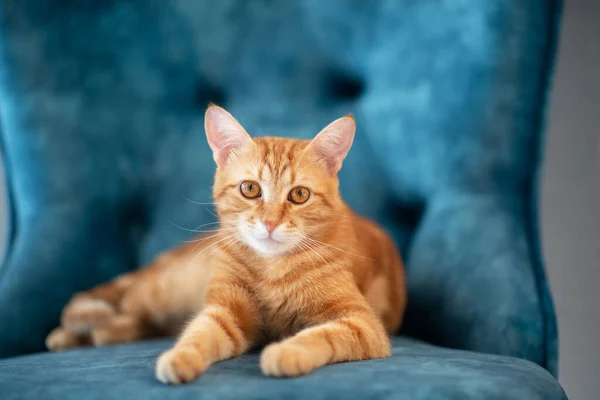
(224, 134)
(334, 141)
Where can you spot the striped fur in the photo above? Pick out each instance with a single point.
(331, 291)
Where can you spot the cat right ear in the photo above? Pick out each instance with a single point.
(224, 134)
(334, 141)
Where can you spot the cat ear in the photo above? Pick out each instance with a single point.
(224, 134)
(334, 141)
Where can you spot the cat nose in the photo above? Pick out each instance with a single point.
(270, 224)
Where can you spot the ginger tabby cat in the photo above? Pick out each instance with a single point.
(290, 265)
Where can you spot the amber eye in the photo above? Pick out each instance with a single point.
(299, 195)
(250, 189)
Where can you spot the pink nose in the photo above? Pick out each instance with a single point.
(271, 225)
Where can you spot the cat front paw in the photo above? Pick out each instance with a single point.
(180, 365)
(288, 360)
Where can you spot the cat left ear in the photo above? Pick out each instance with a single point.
(334, 141)
(224, 133)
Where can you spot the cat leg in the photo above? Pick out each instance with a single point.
(122, 328)
(150, 302)
(84, 312)
(157, 306)
(355, 333)
(92, 309)
(226, 327)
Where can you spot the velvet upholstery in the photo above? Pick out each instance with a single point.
(416, 371)
(101, 111)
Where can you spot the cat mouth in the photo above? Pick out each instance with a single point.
(268, 245)
(270, 241)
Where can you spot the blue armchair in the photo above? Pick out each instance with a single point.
(101, 107)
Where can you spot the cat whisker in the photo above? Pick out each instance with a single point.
(337, 248)
(199, 203)
(198, 245)
(307, 247)
(335, 221)
(237, 245)
(191, 230)
(206, 248)
(323, 225)
(333, 259)
(211, 213)
(203, 204)
(328, 257)
(304, 248)
(198, 227)
(203, 238)
(226, 245)
(218, 230)
(307, 244)
(215, 230)
(307, 240)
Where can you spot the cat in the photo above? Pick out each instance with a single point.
(289, 266)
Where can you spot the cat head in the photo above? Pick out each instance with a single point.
(273, 194)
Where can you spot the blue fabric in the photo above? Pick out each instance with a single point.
(101, 105)
(416, 371)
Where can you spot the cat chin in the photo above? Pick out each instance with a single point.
(268, 247)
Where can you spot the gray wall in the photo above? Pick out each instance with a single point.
(571, 198)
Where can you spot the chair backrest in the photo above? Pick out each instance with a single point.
(101, 104)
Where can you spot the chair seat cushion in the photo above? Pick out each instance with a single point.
(415, 371)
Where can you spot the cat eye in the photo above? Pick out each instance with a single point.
(250, 189)
(299, 195)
